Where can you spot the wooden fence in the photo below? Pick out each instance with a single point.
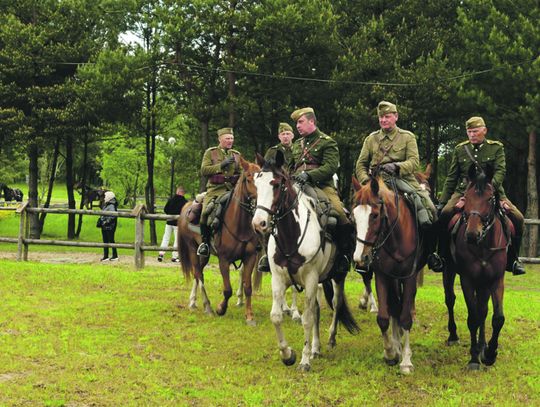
(138, 213)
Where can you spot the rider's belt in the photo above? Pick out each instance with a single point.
(306, 167)
(221, 179)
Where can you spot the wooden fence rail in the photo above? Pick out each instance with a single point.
(138, 214)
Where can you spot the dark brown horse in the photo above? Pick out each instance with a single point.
(235, 241)
(388, 242)
(479, 250)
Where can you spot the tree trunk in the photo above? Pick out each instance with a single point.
(33, 155)
(52, 177)
(532, 196)
(83, 184)
(150, 131)
(69, 187)
(434, 160)
(205, 142)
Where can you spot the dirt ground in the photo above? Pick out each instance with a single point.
(89, 258)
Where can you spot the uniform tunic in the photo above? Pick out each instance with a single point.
(318, 155)
(397, 146)
(211, 165)
(488, 152)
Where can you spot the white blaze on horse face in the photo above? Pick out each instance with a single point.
(361, 217)
(265, 196)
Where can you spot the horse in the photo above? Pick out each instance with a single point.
(298, 255)
(90, 195)
(11, 194)
(367, 299)
(388, 242)
(234, 241)
(479, 255)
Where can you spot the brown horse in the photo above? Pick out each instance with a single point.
(388, 242)
(479, 257)
(235, 241)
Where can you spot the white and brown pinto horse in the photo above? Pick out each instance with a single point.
(387, 242)
(298, 255)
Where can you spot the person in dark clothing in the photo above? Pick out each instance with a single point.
(107, 224)
(173, 207)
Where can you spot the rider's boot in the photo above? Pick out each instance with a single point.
(436, 260)
(422, 213)
(204, 248)
(513, 263)
(344, 238)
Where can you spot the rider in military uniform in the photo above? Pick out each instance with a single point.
(315, 161)
(222, 167)
(285, 135)
(396, 152)
(483, 152)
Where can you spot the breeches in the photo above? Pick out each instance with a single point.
(211, 196)
(333, 197)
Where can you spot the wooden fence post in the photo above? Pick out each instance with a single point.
(22, 222)
(139, 211)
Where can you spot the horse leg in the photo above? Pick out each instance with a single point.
(295, 314)
(406, 322)
(288, 355)
(193, 294)
(240, 291)
(472, 322)
(383, 320)
(490, 353)
(227, 289)
(308, 319)
(449, 276)
(316, 340)
(199, 277)
(406, 365)
(337, 302)
(368, 300)
(249, 265)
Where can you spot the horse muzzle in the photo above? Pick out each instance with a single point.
(261, 226)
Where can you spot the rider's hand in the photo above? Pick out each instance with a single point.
(391, 168)
(226, 162)
(302, 178)
(505, 205)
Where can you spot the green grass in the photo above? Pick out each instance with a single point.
(79, 335)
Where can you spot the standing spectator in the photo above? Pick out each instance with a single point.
(107, 224)
(173, 207)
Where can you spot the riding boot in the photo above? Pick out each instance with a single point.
(344, 238)
(422, 213)
(437, 260)
(204, 248)
(513, 263)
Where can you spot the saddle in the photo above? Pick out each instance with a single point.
(326, 215)
(455, 223)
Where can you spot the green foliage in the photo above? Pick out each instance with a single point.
(104, 335)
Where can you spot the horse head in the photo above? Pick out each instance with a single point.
(370, 217)
(247, 179)
(272, 184)
(480, 204)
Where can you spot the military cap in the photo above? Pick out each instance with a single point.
(300, 112)
(386, 107)
(475, 121)
(284, 127)
(225, 130)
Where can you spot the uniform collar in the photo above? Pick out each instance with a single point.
(311, 137)
(390, 135)
(478, 146)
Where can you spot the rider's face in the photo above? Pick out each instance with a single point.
(226, 140)
(388, 121)
(477, 135)
(286, 137)
(305, 126)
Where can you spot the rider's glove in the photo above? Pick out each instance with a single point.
(302, 178)
(226, 162)
(391, 168)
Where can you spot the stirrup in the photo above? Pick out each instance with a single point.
(517, 268)
(203, 250)
(263, 266)
(435, 262)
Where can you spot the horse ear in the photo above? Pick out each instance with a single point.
(244, 164)
(356, 185)
(489, 172)
(280, 158)
(259, 159)
(375, 185)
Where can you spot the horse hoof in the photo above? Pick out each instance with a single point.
(332, 343)
(374, 310)
(488, 358)
(239, 304)
(251, 322)
(450, 342)
(221, 310)
(473, 366)
(406, 369)
(392, 362)
(193, 307)
(291, 360)
(304, 368)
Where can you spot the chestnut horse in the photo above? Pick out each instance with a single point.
(235, 241)
(388, 242)
(299, 255)
(479, 251)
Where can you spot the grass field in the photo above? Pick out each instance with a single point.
(79, 335)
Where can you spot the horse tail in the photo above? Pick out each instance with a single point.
(343, 313)
(185, 258)
(257, 280)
